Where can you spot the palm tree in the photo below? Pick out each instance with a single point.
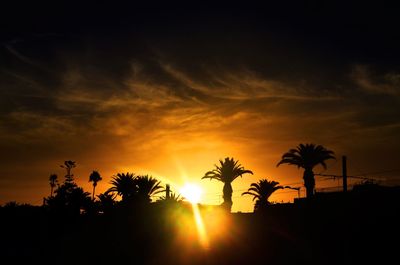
(261, 191)
(147, 186)
(307, 156)
(173, 197)
(94, 177)
(227, 172)
(124, 185)
(79, 200)
(53, 182)
(106, 201)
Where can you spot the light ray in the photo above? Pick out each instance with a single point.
(201, 230)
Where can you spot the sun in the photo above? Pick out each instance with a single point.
(191, 192)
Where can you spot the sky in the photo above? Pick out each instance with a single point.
(168, 90)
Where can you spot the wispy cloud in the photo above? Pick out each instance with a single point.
(388, 83)
(245, 84)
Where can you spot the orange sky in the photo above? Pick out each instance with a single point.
(147, 129)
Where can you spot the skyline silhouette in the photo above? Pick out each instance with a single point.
(327, 228)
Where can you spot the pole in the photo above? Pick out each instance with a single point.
(167, 191)
(344, 171)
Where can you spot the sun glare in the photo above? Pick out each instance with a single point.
(191, 192)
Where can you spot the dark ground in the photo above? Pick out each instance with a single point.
(332, 229)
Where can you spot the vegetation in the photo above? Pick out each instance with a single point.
(173, 197)
(307, 156)
(261, 191)
(146, 187)
(124, 185)
(226, 172)
(69, 198)
(53, 183)
(94, 177)
(69, 165)
(135, 188)
(64, 229)
(106, 202)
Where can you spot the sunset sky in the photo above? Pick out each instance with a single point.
(170, 90)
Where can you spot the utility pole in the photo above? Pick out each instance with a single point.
(344, 173)
(167, 191)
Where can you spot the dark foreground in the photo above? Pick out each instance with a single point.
(332, 229)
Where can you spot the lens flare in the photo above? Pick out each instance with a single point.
(201, 230)
(191, 192)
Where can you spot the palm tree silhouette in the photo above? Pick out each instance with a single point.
(106, 201)
(173, 197)
(53, 183)
(146, 187)
(94, 177)
(227, 172)
(307, 156)
(261, 191)
(124, 185)
(79, 199)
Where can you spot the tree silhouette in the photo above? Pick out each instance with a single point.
(261, 191)
(69, 199)
(146, 187)
(173, 197)
(227, 172)
(124, 185)
(53, 183)
(137, 188)
(94, 177)
(69, 165)
(106, 201)
(307, 156)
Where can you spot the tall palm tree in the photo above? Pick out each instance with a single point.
(124, 185)
(226, 172)
(147, 186)
(307, 156)
(94, 177)
(261, 191)
(53, 183)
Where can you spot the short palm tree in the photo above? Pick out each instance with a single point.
(79, 200)
(124, 185)
(307, 156)
(53, 183)
(173, 197)
(94, 177)
(226, 172)
(106, 201)
(146, 187)
(261, 191)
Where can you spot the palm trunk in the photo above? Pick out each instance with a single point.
(51, 191)
(309, 182)
(94, 188)
(227, 195)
